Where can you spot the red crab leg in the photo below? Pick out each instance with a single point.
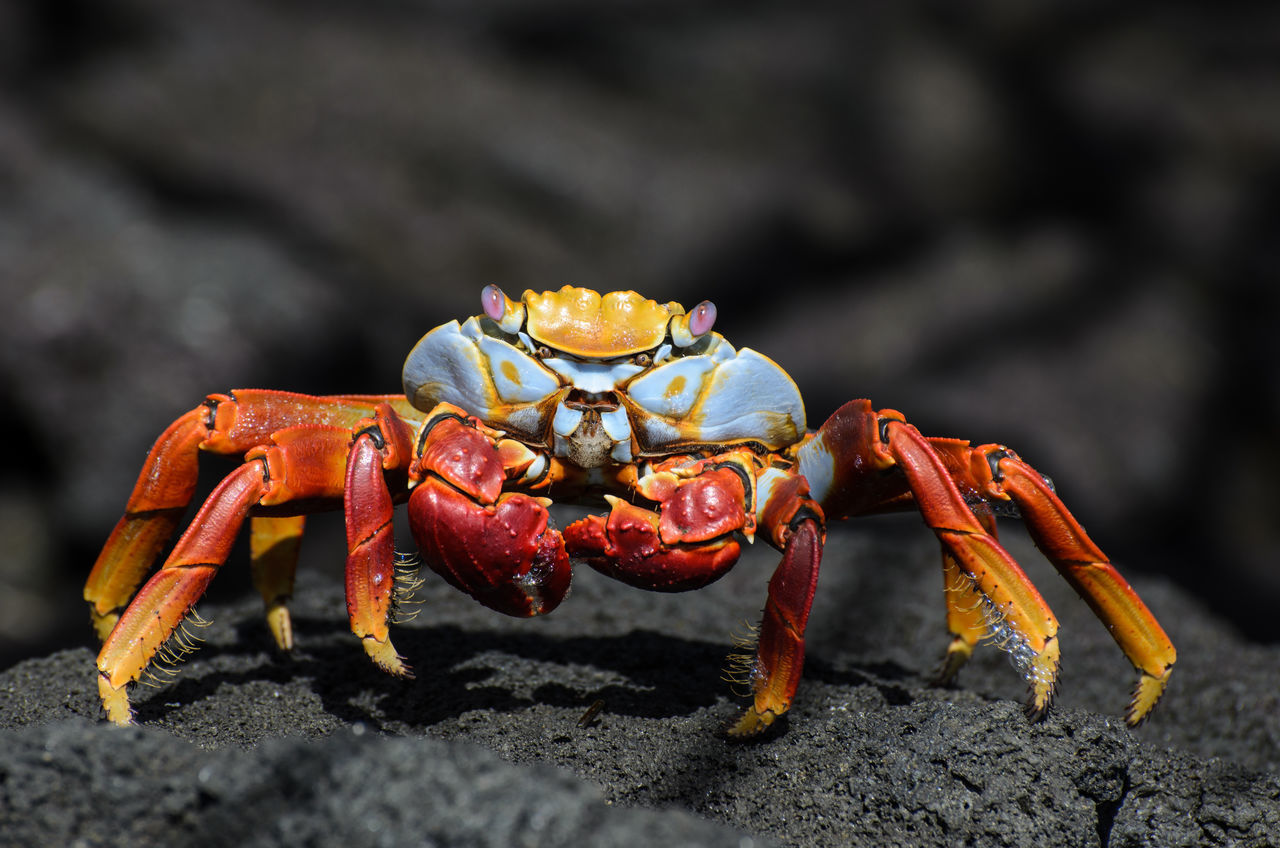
(1014, 602)
(159, 499)
(303, 464)
(383, 445)
(1064, 542)
(686, 542)
(775, 675)
(224, 424)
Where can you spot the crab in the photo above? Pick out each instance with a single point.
(685, 445)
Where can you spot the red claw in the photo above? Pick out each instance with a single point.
(463, 457)
(495, 547)
(685, 544)
(504, 555)
(704, 508)
(627, 546)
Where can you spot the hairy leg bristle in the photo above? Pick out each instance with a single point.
(182, 642)
(405, 605)
(740, 666)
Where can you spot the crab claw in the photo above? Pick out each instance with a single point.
(629, 545)
(686, 543)
(497, 547)
(504, 555)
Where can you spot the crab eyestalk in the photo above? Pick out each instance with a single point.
(687, 328)
(505, 312)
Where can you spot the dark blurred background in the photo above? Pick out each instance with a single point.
(1050, 225)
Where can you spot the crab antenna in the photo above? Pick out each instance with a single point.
(687, 328)
(507, 313)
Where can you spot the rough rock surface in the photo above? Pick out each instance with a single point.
(322, 749)
(1049, 227)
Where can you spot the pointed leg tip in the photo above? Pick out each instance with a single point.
(752, 723)
(115, 701)
(384, 655)
(1146, 694)
(1040, 700)
(1036, 708)
(280, 623)
(958, 653)
(1042, 674)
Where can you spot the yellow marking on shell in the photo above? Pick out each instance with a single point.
(675, 387)
(510, 372)
(585, 323)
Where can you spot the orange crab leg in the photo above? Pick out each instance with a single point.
(966, 612)
(225, 424)
(163, 490)
(686, 541)
(303, 465)
(845, 463)
(1019, 615)
(1064, 542)
(168, 596)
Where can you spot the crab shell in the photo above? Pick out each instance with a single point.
(599, 379)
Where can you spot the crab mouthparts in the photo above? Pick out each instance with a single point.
(592, 429)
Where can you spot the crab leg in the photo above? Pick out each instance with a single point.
(224, 424)
(168, 596)
(844, 464)
(273, 558)
(383, 445)
(1064, 542)
(1020, 617)
(775, 675)
(687, 541)
(966, 613)
(302, 464)
(163, 490)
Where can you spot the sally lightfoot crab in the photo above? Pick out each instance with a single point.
(613, 400)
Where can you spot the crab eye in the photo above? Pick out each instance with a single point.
(687, 328)
(644, 360)
(543, 352)
(504, 311)
(493, 300)
(702, 318)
